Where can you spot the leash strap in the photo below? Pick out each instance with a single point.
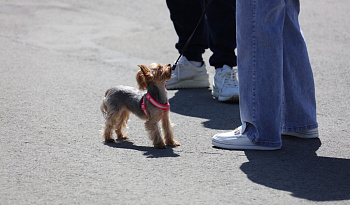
(189, 39)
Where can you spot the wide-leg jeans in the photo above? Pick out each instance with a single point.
(277, 91)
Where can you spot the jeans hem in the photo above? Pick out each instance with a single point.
(299, 128)
(263, 143)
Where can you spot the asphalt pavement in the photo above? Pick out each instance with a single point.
(58, 57)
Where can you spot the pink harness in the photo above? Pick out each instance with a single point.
(155, 103)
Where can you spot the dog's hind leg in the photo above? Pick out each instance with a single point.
(109, 125)
(168, 131)
(122, 119)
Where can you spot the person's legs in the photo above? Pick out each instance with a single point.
(221, 18)
(299, 104)
(260, 62)
(276, 81)
(185, 15)
(190, 71)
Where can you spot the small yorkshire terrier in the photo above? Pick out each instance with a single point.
(151, 106)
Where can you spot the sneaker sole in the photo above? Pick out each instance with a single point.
(234, 98)
(308, 134)
(189, 84)
(243, 147)
(215, 93)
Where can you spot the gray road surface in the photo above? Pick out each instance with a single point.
(58, 57)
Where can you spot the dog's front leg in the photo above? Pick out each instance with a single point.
(168, 131)
(154, 134)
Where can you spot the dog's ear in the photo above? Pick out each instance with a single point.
(143, 76)
(144, 69)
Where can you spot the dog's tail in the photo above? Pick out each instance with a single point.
(104, 106)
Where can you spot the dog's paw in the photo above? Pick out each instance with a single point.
(110, 140)
(160, 146)
(123, 137)
(173, 143)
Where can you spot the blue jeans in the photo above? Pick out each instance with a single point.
(276, 84)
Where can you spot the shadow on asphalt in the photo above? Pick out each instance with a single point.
(296, 168)
(200, 103)
(149, 152)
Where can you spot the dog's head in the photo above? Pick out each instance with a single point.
(154, 73)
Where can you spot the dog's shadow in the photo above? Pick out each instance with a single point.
(149, 152)
(296, 168)
(200, 103)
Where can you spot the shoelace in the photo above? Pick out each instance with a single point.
(230, 78)
(176, 70)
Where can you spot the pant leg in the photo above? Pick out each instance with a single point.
(299, 104)
(221, 18)
(276, 81)
(260, 61)
(185, 15)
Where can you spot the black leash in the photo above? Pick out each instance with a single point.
(189, 39)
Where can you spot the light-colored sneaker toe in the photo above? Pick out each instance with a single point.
(187, 75)
(225, 85)
(237, 141)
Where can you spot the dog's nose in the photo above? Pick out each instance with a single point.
(169, 65)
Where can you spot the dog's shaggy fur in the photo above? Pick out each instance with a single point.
(119, 101)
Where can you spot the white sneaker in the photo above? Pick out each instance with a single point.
(187, 75)
(225, 85)
(307, 134)
(237, 140)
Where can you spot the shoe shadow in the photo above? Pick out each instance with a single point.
(149, 152)
(296, 168)
(200, 103)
